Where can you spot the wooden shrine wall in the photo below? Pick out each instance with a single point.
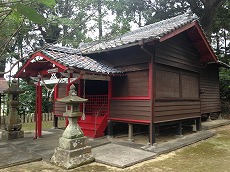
(209, 83)
(130, 92)
(59, 108)
(132, 84)
(177, 80)
(130, 109)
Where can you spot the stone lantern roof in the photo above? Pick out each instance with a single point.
(72, 98)
(14, 88)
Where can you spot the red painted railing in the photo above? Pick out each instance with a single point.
(96, 105)
(96, 111)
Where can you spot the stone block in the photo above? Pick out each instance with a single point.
(69, 159)
(10, 135)
(70, 144)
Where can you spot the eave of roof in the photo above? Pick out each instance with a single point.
(66, 58)
(220, 64)
(160, 31)
(79, 62)
(147, 33)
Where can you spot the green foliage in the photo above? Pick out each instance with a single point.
(225, 84)
(28, 98)
(20, 18)
(48, 3)
(28, 12)
(65, 24)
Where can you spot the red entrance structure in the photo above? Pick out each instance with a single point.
(63, 67)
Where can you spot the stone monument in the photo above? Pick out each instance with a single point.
(13, 123)
(72, 151)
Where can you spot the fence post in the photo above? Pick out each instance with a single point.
(43, 115)
(47, 116)
(51, 116)
(32, 117)
(29, 117)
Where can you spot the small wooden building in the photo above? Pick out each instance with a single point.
(161, 73)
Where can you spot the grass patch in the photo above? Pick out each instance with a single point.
(210, 155)
(46, 125)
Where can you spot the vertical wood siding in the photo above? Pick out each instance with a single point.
(209, 82)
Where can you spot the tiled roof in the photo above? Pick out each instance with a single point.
(71, 58)
(150, 32)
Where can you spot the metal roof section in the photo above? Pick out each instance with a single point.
(71, 57)
(150, 32)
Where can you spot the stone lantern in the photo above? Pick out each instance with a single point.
(72, 151)
(13, 123)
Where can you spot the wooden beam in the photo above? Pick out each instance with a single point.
(198, 124)
(110, 128)
(90, 76)
(152, 134)
(152, 95)
(129, 120)
(38, 110)
(179, 128)
(131, 98)
(52, 70)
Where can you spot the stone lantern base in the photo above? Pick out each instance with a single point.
(72, 153)
(10, 135)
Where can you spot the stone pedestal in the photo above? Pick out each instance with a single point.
(72, 153)
(10, 135)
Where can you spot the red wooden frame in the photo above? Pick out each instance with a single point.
(38, 132)
(62, 67)
(201, 33)
(131, 98)
(129, 120)
(110, 89)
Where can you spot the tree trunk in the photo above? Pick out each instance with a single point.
(99, 3)
(65, 27)
(208, 14)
